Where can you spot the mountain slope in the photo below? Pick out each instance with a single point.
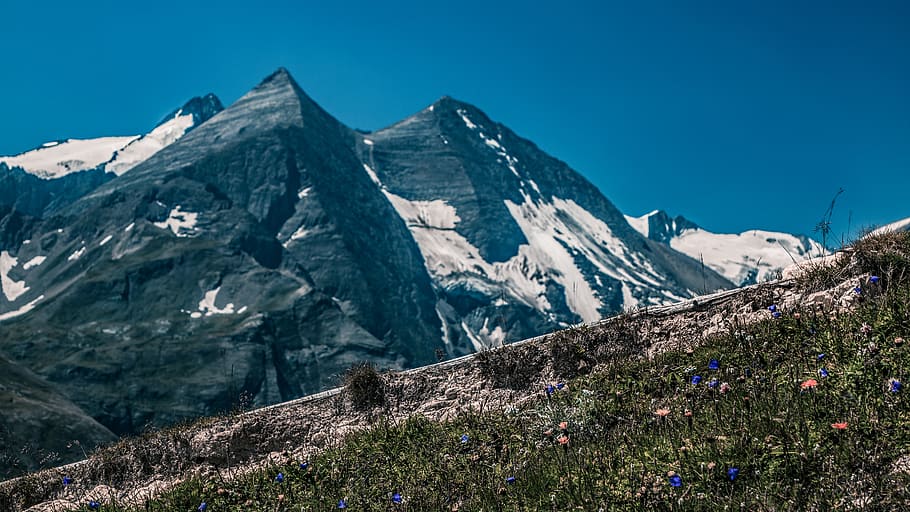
(38, 423)
(746, 258)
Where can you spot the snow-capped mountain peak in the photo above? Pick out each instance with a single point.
(56, 159)
(743, 258)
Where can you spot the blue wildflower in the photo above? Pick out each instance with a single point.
(560, 385)
(676, 481)
(776, 314)
(823, 372)
(820, 356)
(342, 503)
(304, 465)
(92, 504)
(396, 498)
(510, 480)
(464, 438)
(202, 507)
(712, 383)
(858, 290)
(550, 389)
(713, 364)
(772, 308)
(279, 478)
(732, 472)
(67, 480)
(895, 385)
(696, 379)
(874, 279)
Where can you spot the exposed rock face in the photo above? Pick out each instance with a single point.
(269, 249)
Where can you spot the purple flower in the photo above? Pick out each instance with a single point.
(676, 481)
(732, 472)
(92, 504)
(696, 379)
(894, 385)
(202, 507)
(396, 498)
(67, 480)
(874, 279)
(342, 503)
(822, 372)
(279, 478)
(713, 364)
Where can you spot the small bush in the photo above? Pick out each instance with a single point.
(364, 386)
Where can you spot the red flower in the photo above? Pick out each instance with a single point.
(839, 426)
(809, 384)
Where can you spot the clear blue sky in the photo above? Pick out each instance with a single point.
(735, 114)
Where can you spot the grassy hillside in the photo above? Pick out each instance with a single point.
(805, 410)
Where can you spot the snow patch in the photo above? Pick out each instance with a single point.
(182, 223)
(207, 305)
(901, 225)
(129, 228)
(34, 262)
(73, 155)
(106, 240)
(372, 174)
(11, 289)
(639, 224)
(21, 311)
(737, 256)
(368, 142)
(467, 121)
(77, 254)
(304, 192)
(143, 148)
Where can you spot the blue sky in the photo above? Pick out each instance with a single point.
(737, 115)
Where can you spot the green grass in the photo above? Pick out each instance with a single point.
(620, 454)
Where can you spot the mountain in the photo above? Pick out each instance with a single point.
(272, 247)
(57, 173)
(745, 258)
(516, 242)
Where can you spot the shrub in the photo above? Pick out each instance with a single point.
(364, 386)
